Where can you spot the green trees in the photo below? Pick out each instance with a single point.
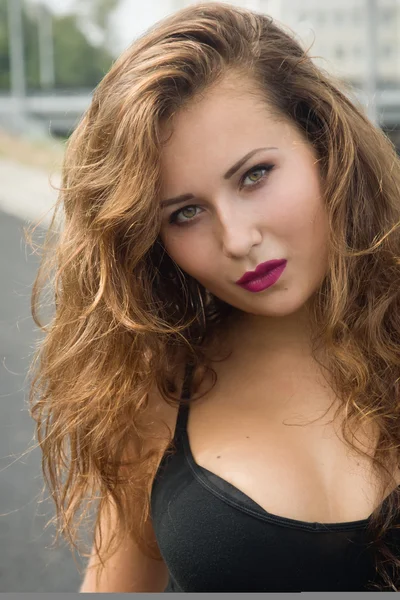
(4, 59)
(78, 62)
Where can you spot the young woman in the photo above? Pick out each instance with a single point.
(220, 379)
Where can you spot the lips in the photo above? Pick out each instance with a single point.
(260, 271)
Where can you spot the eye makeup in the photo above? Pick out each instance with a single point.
(267, 167)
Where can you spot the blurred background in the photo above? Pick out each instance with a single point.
(52, 55)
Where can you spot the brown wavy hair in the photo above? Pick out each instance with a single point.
(126, 318)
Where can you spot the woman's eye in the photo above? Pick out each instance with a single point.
(187, 212)
(256, 174)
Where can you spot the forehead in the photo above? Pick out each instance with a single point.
(216, 129)
(218, 109)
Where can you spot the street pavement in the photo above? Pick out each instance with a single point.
(28, 563)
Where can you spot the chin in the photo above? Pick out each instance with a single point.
(280, 305)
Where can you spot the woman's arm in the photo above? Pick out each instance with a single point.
(128, 570)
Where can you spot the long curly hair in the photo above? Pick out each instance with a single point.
(125, 317)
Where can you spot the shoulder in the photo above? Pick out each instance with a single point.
(158, 419)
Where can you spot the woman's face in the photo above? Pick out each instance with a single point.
(243, 211)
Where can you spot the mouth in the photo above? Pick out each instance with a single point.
(261, 271)
(266, 275)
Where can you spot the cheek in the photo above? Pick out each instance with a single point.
(299, 213)
(307, 237)
(190, 252)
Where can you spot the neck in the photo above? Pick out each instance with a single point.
(271, 336)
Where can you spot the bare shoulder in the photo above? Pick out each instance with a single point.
(159, 417)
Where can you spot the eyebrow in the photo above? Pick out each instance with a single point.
(228, 175)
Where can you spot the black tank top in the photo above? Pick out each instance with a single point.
(214, 538)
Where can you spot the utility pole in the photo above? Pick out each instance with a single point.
(46, 46)
(17, 58)
(371, 87)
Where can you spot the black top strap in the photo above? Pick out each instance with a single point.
(183, 411)
(187, 380)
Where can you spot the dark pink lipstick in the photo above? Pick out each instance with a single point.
(265, 275)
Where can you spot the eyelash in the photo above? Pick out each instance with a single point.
(263, 167)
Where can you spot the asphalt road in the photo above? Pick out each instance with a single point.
(27, 562)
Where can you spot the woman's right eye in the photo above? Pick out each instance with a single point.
(173, 219)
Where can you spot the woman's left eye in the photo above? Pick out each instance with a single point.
(256, 171)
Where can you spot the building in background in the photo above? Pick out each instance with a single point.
(342, 35)
(338, 33)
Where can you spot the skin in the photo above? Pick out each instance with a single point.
(230, 226)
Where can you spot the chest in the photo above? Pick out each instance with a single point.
(271, 432)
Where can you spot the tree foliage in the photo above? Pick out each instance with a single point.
(78, 62)
(4, 43)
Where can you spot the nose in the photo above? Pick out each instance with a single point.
(238, 232)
